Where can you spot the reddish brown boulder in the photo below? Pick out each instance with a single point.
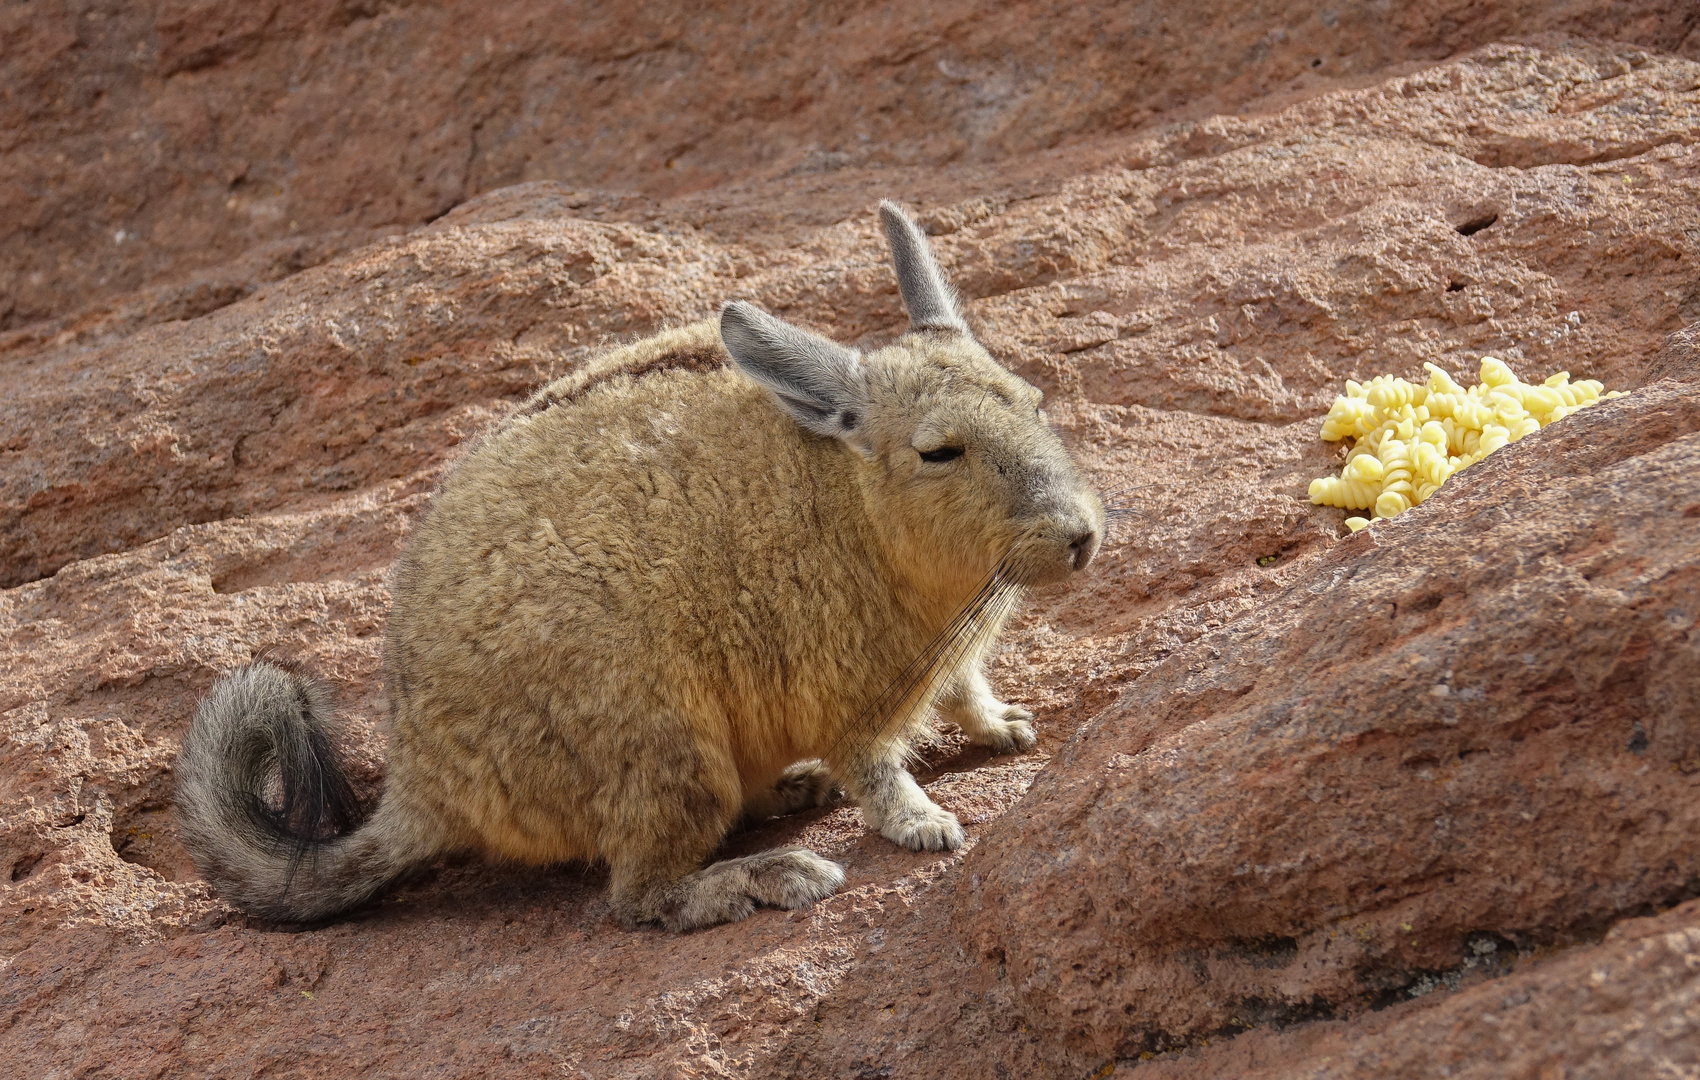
(1470, 731)
(1622, 1007)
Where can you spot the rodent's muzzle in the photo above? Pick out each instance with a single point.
(1060, 543)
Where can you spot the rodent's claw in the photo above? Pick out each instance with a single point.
(924, 828)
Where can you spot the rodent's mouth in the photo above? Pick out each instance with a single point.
(1050, 555)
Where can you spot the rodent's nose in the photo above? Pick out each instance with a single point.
(1083, 547)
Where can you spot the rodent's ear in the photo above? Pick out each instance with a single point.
(930, 300)
(819, 382)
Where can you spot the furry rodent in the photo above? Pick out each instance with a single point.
(707, 577)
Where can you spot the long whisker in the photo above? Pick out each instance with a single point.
(972, 637)
(938, 658)
(996, 608)
(917, 667)
(919, 679)
(1116, 516)
(1126, 488)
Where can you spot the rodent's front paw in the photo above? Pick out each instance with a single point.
(1004, 736)
(924, 828)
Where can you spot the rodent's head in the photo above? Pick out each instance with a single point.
(960, 471)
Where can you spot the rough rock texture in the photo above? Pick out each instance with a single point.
(1471, 728)
(140, 142)
(1411, 803)
(1680, 358)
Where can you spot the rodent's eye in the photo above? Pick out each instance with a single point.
(943, 453)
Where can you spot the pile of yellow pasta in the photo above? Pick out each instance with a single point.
(1410, 438)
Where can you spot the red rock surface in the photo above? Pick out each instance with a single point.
(1469, 730)
(1255, 838)
(143, 142)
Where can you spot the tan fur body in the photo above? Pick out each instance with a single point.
(627, 598)
(648, 596)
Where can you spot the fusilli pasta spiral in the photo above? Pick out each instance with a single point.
(1411, 437)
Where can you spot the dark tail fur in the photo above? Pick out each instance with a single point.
(265, 808)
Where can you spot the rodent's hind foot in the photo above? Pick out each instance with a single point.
(730, 890)
(793, 878)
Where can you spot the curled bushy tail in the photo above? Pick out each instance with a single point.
(266, 810)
